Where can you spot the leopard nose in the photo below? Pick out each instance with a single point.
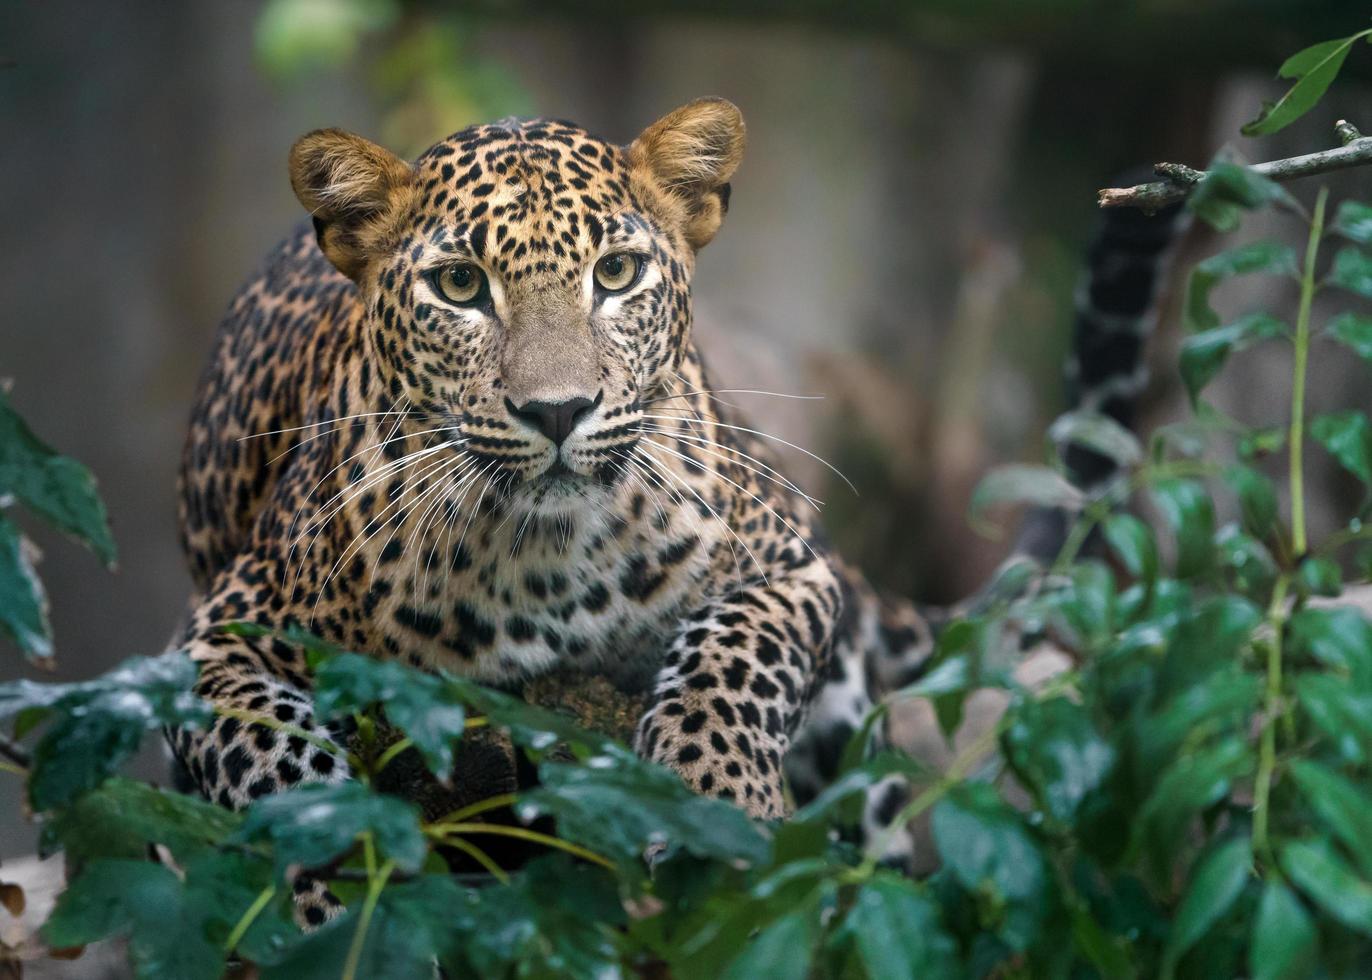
(556, 420)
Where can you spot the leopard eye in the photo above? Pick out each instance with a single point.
(616, 272)
(463, 284)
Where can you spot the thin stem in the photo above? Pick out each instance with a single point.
(1267, 749)
(364, 919)
(389, 755)
(1296, 439)
(248, 918)
(19, 771)
(443, 832)
(480, 857)
(481, 806)
(267, 721)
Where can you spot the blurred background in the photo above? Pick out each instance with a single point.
(904, 238)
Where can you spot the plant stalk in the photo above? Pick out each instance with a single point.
(1267, 746)
(1296, 440)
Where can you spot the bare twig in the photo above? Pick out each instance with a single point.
(1178, 180)
(12, 751)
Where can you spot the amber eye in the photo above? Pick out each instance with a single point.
(463, 284)
(616, 272)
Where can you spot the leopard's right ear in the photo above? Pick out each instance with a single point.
(354, 190)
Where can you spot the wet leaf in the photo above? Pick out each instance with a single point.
(1344, 806)
(1317, 870)
(1319, 576)
(1347, 438)
(23, 603)
(1352, 271)
(1190, 514)
(1098, 433)
(1342, 713)
(1203, 354)
(420, 704)
(1057, 752)
(898, 932)
(1339, 637)
(1227, 190)
(1284, 939)
(55, 487)
(1257, 499)
(1132, 540)
(1353, 221)
(1215, 885)
(1019, 483)
(1353, 331)
(1265, 257)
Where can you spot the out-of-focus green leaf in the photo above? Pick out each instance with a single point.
(311, 825)
(1098, 433)
(294, 36)
(988, 849)
(1284, 939)
(1268, 257)
(93, 726)
(1341, 712)
(420, 704)
(1103, 951)
(898, 933)
(1353, 221)
(1338, 637)
(534, 729)
(1314, 70)
(783, 950)
(57, 488)
(1132, 540)
(1215, 885)
(1227, 190)
(1347, 438)
(1345, 807)
(1260, 442)
(1319, 576)
(1352, 271)
(1021, 483)
(1354, 331)
(1317, 870)
(1257, 499)
(618, 805)
(23, 603)
(122, 817)
(1251, 564)
(1191, 783)
(1057, 752)
(1191, 516)
(1203, 354)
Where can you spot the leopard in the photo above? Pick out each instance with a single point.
(459, 420)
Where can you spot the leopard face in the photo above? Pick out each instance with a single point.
(526, 286)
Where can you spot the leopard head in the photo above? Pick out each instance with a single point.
(525, 286)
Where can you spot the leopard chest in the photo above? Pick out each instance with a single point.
(601, 588)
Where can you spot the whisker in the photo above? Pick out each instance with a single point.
(766, 435)
(779, 478)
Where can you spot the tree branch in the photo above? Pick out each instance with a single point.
(1178, 180)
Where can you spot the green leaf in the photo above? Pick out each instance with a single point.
(422, 705)
(898, 933)
(93, 726)
(1316, 869)
(1347, 438)
(535, 729)
(1215, 885)
(1352, 271)
(1353, 331)
(1339, 637)
(145, 902)
(988, 850)
(1191, 783)
(1021, 483)
(1315, 69)
(1229, 188)
(1257, 443)
(1257, 499)
(1345, 807)
(619, 805)
(1190, 514)
(1057, 753)
(1203, 354)
(1251, 564)
(1098, 433)
(783, 950)
(1284, 938)
(57, 488)
(122, 817)
(311, 825)
(1132, 540)
(1266, 257)
(1343, 714)
(23, 603)
(1353, 221)
(1319, 576)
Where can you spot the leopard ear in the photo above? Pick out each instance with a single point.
(690, 154)
(354, 191)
